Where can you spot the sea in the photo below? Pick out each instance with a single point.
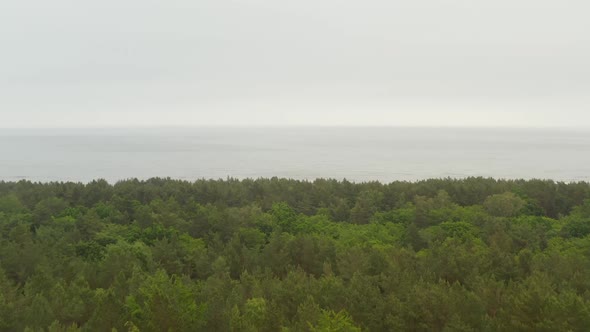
(357, 154)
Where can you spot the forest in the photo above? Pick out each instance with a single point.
(475, 254)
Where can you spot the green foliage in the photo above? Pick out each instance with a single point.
(367, 203)
(162, 303)
(577, 224)
(11, 204)
(504, 205)
(285, 255)
(331, 321)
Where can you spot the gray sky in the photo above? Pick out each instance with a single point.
(304, 62)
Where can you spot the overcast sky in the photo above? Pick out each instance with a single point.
(304, 62)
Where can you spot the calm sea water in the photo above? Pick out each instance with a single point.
(357, 154)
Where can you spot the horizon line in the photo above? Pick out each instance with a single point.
(270, 126)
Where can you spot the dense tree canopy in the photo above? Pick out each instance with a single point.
(284, 255)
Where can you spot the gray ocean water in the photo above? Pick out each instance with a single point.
(357, 154)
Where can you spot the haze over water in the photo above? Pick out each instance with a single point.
(357, 154)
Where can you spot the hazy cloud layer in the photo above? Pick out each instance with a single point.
(323, 62)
